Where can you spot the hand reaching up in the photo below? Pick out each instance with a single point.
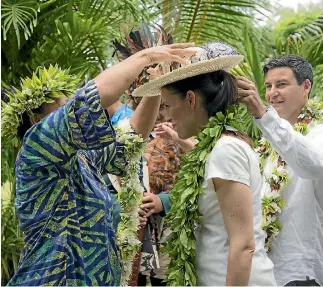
(166, 130)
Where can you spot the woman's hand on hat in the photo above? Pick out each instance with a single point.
(248, 95)
(169, 53)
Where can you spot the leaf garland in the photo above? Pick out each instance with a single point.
(129, 197)
(272, 201)
(44, 86)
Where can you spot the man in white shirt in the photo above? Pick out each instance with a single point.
(297, 251)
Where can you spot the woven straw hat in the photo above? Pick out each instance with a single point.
(209, 58)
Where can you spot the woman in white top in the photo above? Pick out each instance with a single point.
(230, 242)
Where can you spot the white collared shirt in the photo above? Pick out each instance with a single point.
(297, 252)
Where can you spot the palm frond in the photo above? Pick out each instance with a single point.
(305, 40)
(82, 37)
(254, 61)
(19, 16)
(317, 90)
(107, 16)
(206, 20)
(79, 42)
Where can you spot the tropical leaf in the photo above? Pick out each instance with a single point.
(11, 237)
(83, 37)
(253, 59)
(304, 40)
(317, 90)
(311, 38)
(19, 16)
(37, 51)
(206, 20)
(78, 42)
(16, 57)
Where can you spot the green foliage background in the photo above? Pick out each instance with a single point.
(77, 34)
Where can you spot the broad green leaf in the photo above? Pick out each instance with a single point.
(183, 239)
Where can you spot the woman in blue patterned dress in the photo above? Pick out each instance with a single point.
(63, 204)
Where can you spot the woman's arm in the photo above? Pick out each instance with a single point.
(236, 206)
(114, 81)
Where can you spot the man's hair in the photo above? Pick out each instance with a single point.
(302, 69)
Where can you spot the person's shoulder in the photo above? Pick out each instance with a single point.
(231, 142)
(229, 147)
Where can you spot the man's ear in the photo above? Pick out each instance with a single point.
(307, 87)
(191, 98)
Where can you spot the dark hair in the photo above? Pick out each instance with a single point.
(25, 123)
(302, 69)
(217, 89)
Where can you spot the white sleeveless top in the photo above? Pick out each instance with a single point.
(230, 159)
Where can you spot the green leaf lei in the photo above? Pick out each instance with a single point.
(44, 86)
(272, 202)
(184, 215)
(129, 197)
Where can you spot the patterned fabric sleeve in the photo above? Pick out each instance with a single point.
(62, 203)
(81, 124)
(89, 126)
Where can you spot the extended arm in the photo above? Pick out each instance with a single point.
(304, 154)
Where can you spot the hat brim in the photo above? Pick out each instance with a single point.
(152, 88)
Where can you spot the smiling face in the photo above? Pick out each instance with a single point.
(285, 94)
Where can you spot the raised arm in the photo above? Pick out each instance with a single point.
(304, 154)
(114, 81)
